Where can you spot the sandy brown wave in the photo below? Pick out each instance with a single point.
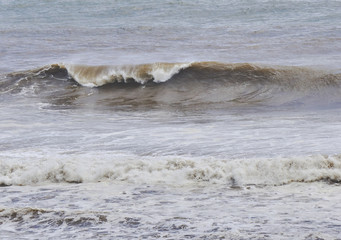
(174, 84)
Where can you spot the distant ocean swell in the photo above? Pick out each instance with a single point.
(179, 83)
(60, 168)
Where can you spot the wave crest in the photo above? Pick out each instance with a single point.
(100, 75)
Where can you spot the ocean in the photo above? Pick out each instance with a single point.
(170, 119)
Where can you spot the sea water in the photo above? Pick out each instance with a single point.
(170, 119)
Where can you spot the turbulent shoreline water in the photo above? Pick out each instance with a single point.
(170, 120)
(178, 171)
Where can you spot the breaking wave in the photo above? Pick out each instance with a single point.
(91, 168)
(96, 76)
(176, 83)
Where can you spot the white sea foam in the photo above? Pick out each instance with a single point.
(76, 168)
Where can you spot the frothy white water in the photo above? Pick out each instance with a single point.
(32, 168)
(129, 211)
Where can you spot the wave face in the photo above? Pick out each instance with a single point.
(178, 83)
